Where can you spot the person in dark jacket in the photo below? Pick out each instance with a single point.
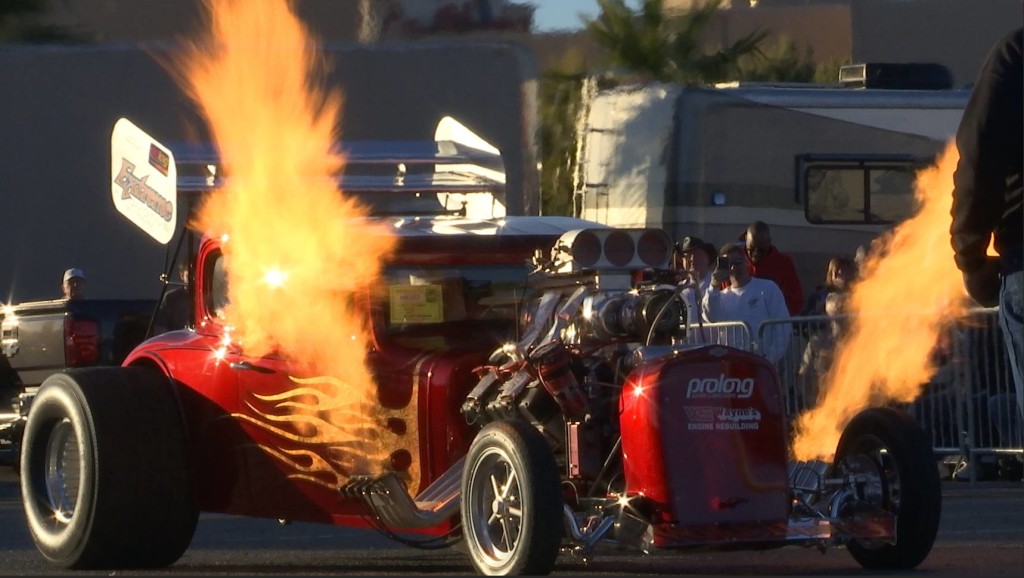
(987, 194)
(10, 384)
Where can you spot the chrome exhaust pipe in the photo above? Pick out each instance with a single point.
(387, 496)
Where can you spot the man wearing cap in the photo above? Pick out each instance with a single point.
(74, 284)
(695, 259)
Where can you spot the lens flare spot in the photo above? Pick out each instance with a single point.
(275, 277)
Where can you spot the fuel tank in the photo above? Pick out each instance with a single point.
(704, 445)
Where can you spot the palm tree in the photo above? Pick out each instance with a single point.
(667, 48)
(783, 61)
(634, 42)
(559, 105)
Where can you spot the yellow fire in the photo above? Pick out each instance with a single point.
(910, 292)
(299, 250)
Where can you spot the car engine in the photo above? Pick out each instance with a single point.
(598, 308)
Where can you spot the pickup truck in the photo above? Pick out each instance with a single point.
(40, 338)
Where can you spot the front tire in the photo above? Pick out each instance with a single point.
(896, 453)
(511, 501)
(104, 477)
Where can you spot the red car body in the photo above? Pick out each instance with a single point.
(232, 457)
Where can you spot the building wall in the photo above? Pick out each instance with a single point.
(132, 21)
(60, 104)
(825, 28)
(955, 33)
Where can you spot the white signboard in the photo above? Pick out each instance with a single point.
(144, 180)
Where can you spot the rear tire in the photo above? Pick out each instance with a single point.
(105, 480)
(511, 501)
(898, 450)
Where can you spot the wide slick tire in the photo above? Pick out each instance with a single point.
(896, 453)
(511, 501)
(105, 482)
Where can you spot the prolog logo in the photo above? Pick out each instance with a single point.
(720, 387)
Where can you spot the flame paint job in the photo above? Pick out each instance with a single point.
(267, 438)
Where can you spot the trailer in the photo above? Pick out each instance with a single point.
(828, 168)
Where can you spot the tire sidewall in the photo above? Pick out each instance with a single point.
(919, 511)
(57, 400)
(509, 439)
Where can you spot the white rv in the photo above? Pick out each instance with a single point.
(827, 168)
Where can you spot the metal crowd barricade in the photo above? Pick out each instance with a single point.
(968, 406)
(988, 401)
(732, 333)
(801, 366)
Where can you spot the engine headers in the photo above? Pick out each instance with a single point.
(552, 362)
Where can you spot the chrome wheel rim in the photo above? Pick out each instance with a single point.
(881, 488)
(63, 471)
(497, 507)
(882, 484)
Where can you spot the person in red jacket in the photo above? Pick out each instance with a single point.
(767, 262)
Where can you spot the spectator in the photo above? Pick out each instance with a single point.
(695, 260)
(749, 300)
(174, 310)
(74, 284)
(767, 262)
(817, 356)
(839, 274)
(815, 303)
(987, 195)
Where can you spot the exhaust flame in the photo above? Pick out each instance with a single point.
(298, 249)
(910, 292)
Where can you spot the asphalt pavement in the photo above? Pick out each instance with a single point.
(981, 534)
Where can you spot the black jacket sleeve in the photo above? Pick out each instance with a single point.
(989, 141)
(8, 376)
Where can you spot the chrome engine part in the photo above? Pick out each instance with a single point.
(596, 301)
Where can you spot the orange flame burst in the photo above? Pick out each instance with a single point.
(297, 248)
(909, 294)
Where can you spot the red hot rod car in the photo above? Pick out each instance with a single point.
(547, 406)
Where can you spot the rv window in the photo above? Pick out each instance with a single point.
(857, 191)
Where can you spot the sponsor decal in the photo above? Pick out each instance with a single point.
(712, 418)
(159, 159)
(133, 186)
(701, 413)
(738, 414)
(720, 387)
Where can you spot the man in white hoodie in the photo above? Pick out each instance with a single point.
(748, 299)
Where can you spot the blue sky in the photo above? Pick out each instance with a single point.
(561, 14)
